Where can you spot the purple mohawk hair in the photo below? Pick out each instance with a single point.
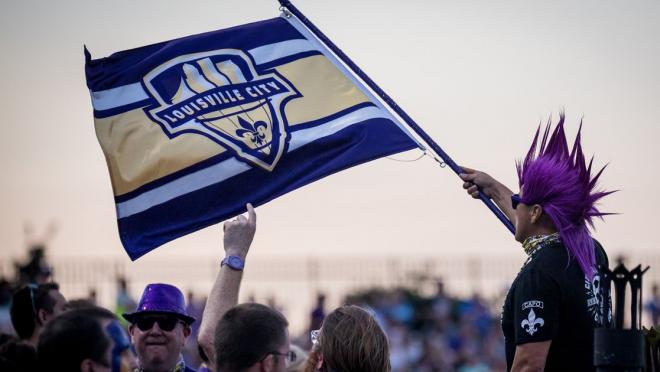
(561, 182)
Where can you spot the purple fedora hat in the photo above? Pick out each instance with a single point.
(161, 298)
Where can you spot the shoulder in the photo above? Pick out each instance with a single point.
(549, 258)
(601, 255)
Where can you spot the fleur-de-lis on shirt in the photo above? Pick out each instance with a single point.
(531, 323)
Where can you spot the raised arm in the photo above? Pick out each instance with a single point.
(224, 294)
(475, 180)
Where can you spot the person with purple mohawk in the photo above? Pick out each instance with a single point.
(556, 301)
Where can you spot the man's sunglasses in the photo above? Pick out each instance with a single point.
(515, 200)
(166, 324)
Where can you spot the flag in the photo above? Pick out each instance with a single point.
(194, 128)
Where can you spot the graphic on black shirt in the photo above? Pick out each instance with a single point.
(596, 300)
(532, 323)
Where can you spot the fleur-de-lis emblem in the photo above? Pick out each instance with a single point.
(254, 132)
(532, 323)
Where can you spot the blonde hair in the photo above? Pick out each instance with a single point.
(350, 341)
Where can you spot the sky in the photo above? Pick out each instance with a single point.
(477, 75)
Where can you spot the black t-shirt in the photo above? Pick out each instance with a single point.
(551, 299)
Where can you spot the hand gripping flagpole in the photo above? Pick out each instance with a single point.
(393, 105)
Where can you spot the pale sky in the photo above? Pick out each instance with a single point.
(476, 75)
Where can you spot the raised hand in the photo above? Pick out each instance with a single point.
(476, 181)
(239, 233)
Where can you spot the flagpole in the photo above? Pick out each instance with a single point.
(393, 105)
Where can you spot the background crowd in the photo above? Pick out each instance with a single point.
(440, 332)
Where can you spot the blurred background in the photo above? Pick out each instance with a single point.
(478, 76)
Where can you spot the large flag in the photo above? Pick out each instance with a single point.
(192, 129)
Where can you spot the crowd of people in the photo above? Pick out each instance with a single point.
(417, 333)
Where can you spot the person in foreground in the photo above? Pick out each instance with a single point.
(350, 340)
(252, 338)
(556, 300)
(33, 306)
(159, 327)
(87, 339)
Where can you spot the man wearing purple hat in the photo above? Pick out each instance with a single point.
(159, 327)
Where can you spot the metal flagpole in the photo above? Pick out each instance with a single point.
(393, 105)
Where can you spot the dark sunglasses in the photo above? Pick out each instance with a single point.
(167, 324)
(515, 200)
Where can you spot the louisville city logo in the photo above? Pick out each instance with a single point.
(220, 95)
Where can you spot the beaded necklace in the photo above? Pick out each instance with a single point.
(535, 243)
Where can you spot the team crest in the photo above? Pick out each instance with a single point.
(220, 95)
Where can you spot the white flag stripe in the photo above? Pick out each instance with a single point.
(305, 136)
(131, 93)
(117, 97)
(232, 167)
(186, 184)
(271, 52)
